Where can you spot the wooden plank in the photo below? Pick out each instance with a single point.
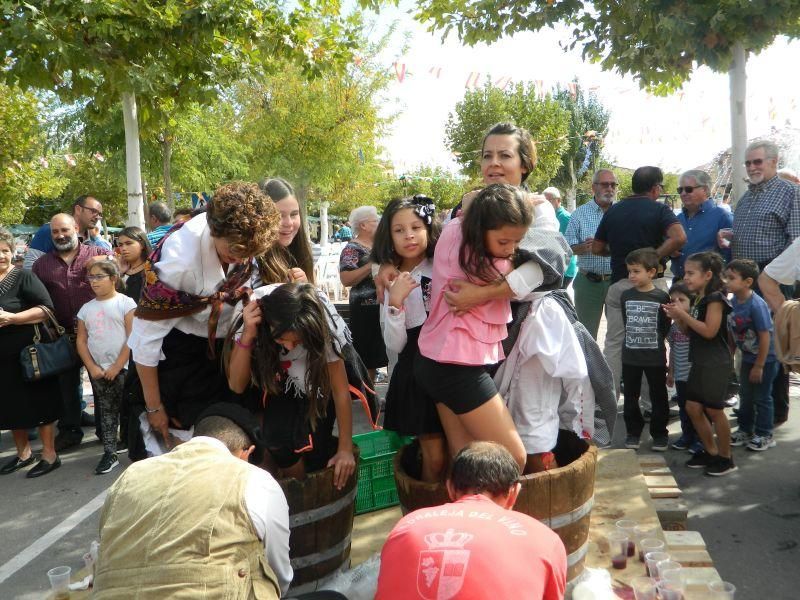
(652, 460)
(672, 513)
(665, 492)
(684, 540)
(691, 558)
(370, 531)
(699, 577)
(660, 481)
(646, 470)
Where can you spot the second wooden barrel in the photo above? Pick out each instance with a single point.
(561, 498)
(321, 523)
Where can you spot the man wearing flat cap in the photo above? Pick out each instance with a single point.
(199, 521)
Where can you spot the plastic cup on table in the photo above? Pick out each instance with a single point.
(644, 588)
(670, 589)
(651, 559)
(59, 582)
(722, 590)
(618, 548)
(629, 527)
(666, 565)
(650, 544)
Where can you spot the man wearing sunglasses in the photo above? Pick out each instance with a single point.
(87, 212)
(765, 222)
(700, 217)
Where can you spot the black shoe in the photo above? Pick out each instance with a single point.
(721, 466)
(87, 420)
(67, 440)
(16, 463)
(122, 447)
(646, 414)
(43, 468)
(700, 460)
(107, 463)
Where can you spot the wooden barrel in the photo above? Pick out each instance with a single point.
(321, 523)
(561, 498)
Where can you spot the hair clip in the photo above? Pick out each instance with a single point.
(425, 208)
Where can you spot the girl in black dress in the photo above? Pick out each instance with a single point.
(133, 248)
(25, 404)
(406, 238)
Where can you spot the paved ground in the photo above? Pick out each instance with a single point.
(750, 519)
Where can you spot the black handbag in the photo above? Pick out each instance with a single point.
(44, 359)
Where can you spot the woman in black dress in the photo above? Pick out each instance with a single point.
(355, 270)
(133, 248)
(25, 404)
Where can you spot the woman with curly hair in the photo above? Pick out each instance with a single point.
(192, 281)
(289, 259)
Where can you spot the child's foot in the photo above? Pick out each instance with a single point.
(759, 443)
(107, 463)
(660, 445)
(682, 443)
(700, 460)
(720, 466)
(632, 442)
(740, 438)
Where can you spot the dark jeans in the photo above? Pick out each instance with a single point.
(70, 421)
(755, 399)
(687, 428)
(657, 381)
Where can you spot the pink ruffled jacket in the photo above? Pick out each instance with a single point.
(470, 339)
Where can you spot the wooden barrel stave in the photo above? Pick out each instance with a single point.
(562, 496)
(321, 523)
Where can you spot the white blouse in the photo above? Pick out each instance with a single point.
(189, 263)
(414, 312)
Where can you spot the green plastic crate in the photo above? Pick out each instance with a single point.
(376, 486)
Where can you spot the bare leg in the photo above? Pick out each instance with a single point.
(47, 434)
(702, 426)
(22, 443)
(723, 429)
(434, 457)
(490, 422)
(372, 374)
(536, 463)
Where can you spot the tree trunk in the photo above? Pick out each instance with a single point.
(572, 192)
(738, 91)
(323, 223)
(166, 161)
(301, 191)
(132, 161)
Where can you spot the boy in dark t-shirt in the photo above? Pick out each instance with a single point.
(643, 352)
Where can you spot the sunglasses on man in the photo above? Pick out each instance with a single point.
(689, 188)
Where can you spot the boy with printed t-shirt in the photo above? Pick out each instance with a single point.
(643, 351)
(475, 547)
(751, 326)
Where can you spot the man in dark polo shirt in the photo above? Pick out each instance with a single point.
(63, 272)
(637, 221)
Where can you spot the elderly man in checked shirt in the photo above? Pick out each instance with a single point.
(765, 222)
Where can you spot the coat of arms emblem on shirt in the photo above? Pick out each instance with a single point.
(442, 567)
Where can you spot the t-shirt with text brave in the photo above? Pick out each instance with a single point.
(471, 549)
(646, 326)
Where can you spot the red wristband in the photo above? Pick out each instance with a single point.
(241, 344)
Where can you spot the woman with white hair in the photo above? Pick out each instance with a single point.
(355, 271)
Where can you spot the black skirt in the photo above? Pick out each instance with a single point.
(365, 326)
(409, 410)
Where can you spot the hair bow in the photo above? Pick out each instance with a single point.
(424, 207)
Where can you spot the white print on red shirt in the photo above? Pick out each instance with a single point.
(443, 566)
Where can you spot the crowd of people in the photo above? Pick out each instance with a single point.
(212, 324)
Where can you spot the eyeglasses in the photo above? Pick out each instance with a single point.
(94, 211)
(756, 162)
(96, 277)
(610, 184)
(689, 188)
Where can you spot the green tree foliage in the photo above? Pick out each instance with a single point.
(588, 124)
(445, 188)
(545, 118)
(320, 134)
(659, 42)
(25, 173)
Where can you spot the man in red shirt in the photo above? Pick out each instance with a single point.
(475, 547)
(63, 273)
